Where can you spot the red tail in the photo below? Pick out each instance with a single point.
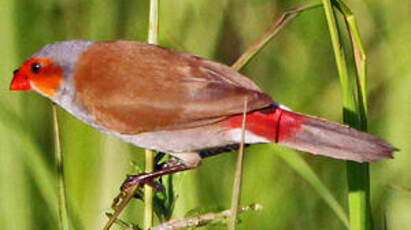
(314, 135)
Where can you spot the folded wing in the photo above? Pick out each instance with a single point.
(139, 87)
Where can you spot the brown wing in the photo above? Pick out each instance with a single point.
(133, 87)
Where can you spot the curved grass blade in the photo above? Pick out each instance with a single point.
(295, 161)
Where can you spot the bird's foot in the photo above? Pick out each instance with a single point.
(140, 179)
(133, 182)
(173, 165)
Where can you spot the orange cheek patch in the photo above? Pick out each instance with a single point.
(49, 80)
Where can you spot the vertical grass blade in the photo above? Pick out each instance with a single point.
(148, 191)
(235, 200)
(153, 22)
(354, 114)
(62, 198)
(359, 188)
(149, 155)
(360, 59)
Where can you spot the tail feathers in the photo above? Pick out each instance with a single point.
(330, 139)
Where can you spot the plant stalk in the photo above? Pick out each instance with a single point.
(235, 201)
(148, 191)
(61, 188)
(354, 114)
(149, 155)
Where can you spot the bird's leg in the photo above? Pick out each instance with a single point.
(181, 162)
(171, 166)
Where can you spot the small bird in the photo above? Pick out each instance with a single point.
(178, 103)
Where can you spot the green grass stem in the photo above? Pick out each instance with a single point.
(235, 200)
(149, 155)
(148, 191)
(153, 22)
(63, 215)
(360, 59)
(354, 114)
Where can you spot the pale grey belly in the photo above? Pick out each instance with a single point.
(180, 141)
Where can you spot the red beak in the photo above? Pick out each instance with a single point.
(20, 81)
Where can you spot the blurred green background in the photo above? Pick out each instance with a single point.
(297, 68)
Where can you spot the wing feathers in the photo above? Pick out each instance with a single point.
(133, 87)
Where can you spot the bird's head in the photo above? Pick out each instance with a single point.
(39, 73)
(48, 70)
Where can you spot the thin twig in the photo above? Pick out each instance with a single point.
(191, 221)
(124, 225)
(235, 201)
(124, 197)
(203, 219)
(62, 198)
(273, 30)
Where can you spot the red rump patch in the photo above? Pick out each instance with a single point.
(274, 124)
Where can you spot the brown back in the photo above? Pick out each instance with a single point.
(134, 87)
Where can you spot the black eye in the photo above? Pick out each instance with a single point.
(35, 67)
(15, 71)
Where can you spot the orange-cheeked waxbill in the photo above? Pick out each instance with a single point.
(178, 103)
